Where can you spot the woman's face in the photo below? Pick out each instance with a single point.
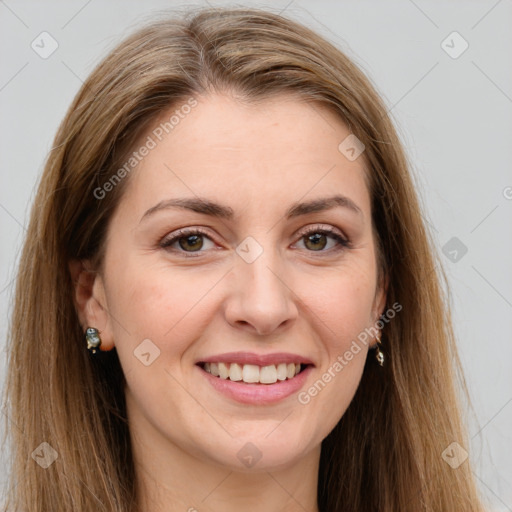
(280, 273)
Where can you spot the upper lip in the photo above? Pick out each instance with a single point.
(257, 359)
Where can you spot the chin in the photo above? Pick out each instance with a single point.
(264, 451)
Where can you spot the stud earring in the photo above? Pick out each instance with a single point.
(92, 336)
(379, 356)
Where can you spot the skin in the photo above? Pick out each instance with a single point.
(258, 160)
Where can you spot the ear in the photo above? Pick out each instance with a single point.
(379, 302)
(90, 301)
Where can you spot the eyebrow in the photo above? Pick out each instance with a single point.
(207, 207)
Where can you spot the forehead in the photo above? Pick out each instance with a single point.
(278, 149)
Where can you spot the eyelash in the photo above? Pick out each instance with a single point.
(343, 243)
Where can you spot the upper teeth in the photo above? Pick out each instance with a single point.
(252, 373)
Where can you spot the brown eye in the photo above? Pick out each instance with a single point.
(191, 242)
(187, 242)
(315, 242)
(323, 240)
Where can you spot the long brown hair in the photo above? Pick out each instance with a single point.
(385, 454)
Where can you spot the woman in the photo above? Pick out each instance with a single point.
(227, 297)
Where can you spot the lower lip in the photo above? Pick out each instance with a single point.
(258, 394)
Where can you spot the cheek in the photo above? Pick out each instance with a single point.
(342, 313)
(343, 302)
(157, 302)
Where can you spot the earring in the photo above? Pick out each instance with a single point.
(92, 336)
(379, 356)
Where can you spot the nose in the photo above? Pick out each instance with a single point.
(260, 300)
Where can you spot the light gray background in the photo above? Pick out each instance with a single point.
(454, 117)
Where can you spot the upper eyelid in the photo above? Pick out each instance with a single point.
(322, 227)
(190, 230)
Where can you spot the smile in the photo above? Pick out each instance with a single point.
(252, 373)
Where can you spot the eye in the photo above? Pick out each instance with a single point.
(317, 239)
(187, 240)
(194, 240)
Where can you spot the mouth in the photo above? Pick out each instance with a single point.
(256, 379)
(253, 373)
